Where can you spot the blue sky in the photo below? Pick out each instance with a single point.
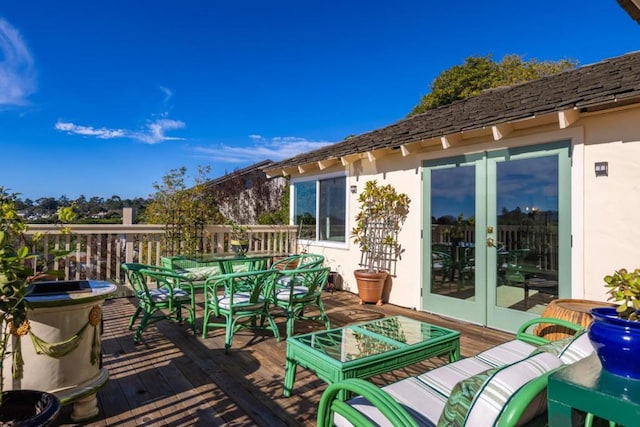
(104, 98)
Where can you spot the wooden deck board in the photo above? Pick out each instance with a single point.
(177, 379)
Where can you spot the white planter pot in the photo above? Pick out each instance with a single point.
(71, 369)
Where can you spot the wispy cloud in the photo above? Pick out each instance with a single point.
(168, 93)
(153, 133)
(260, 148)
(17, 73)
(101, 133)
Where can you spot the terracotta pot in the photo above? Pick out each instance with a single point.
(370, 285)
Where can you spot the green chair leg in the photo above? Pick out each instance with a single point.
(134, 317)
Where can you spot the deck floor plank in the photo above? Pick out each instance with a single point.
(174, 378)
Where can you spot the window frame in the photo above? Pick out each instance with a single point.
(317, 179)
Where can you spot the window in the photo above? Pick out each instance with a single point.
(320, 209)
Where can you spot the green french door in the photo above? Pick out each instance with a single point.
(497, 240)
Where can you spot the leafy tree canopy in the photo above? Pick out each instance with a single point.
(479, 73)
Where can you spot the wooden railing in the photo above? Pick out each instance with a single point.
(541, 241)
(98, 250)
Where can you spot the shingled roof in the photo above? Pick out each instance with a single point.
(632, 7)
(610, 83)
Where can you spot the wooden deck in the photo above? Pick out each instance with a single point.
(176, 379)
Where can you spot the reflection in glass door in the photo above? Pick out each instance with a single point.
(529, 246)
(453, 232)
(453, 266)
(527, 233)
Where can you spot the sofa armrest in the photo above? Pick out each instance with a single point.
(523, 335)
(330, 404)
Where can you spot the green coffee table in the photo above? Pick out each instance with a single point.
(366, 349)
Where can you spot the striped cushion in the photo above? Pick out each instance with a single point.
(239, 300)
(577, 349)
(422, 402)
(506, 353)
(444, 378)
(499, 388)
(461, 397)
(285, 293)
(164, 294)
(569, 350)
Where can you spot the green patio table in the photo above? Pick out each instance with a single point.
(366, 349)
(584, 386)
(227, 262)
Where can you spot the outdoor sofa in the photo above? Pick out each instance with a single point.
(502, 386)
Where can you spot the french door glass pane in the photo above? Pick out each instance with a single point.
(453, 201)
(527, 233)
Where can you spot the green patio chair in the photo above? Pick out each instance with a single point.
(298, 290)
(441, 267)
(164, 300)
(242, 299)
(311, 261)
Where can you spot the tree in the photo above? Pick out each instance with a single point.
(184, 211)
(479, 73)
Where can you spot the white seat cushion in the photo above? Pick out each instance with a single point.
(241, 299)
(506, 353)
(164, 294)
(285, 293)
(421, 401)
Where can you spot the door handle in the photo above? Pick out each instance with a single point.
(491, 243)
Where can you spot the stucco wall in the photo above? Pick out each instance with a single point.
(605, 216)
(611, 209)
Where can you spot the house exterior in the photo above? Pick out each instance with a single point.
(632, 7)
(246, 193)
(519, 195)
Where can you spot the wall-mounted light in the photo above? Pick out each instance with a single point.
(354, 189)
(602, 168)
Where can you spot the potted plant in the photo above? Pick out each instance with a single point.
(239, 238)
(615, 331)
(19, 407)
(382, 213)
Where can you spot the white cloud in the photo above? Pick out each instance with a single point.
(17, 73)
(101, 133)
(277, 148)
(154, 133)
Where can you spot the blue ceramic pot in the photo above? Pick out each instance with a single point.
(616, 341)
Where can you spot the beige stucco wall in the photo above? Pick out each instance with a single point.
(611, 208)
(605, 210)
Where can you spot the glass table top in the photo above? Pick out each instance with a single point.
(361, 340)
